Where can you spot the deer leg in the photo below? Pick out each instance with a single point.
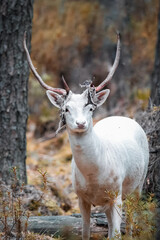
(85, 209)
(114, 216)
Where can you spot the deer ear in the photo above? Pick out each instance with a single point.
(100, 98)
(56, 99)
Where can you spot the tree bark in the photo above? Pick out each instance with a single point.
(155, 101)
(155, 84)
(15, 18)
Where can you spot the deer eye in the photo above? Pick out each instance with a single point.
(91, 109)
(66, 110)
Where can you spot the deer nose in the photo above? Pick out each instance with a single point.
(81, 124)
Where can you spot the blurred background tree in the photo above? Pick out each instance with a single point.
(155, 101)
(15, 18)
(155, 83)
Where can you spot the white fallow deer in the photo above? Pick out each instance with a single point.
(112, 156)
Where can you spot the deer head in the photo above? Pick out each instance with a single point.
(76, 110)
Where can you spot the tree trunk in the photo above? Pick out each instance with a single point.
(15, 18)
(155, 84)
(155, 100)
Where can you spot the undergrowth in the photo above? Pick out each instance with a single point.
(13, 217)
(139, 215)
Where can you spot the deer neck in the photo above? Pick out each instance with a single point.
(86, 150)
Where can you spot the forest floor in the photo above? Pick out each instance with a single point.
(51, 158)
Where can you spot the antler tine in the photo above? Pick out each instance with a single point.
(65, 85)
(43, 84)
(114, 67)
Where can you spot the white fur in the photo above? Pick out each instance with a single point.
(111, 157)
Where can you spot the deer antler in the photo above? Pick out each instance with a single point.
(114, 67)
(43, 84)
